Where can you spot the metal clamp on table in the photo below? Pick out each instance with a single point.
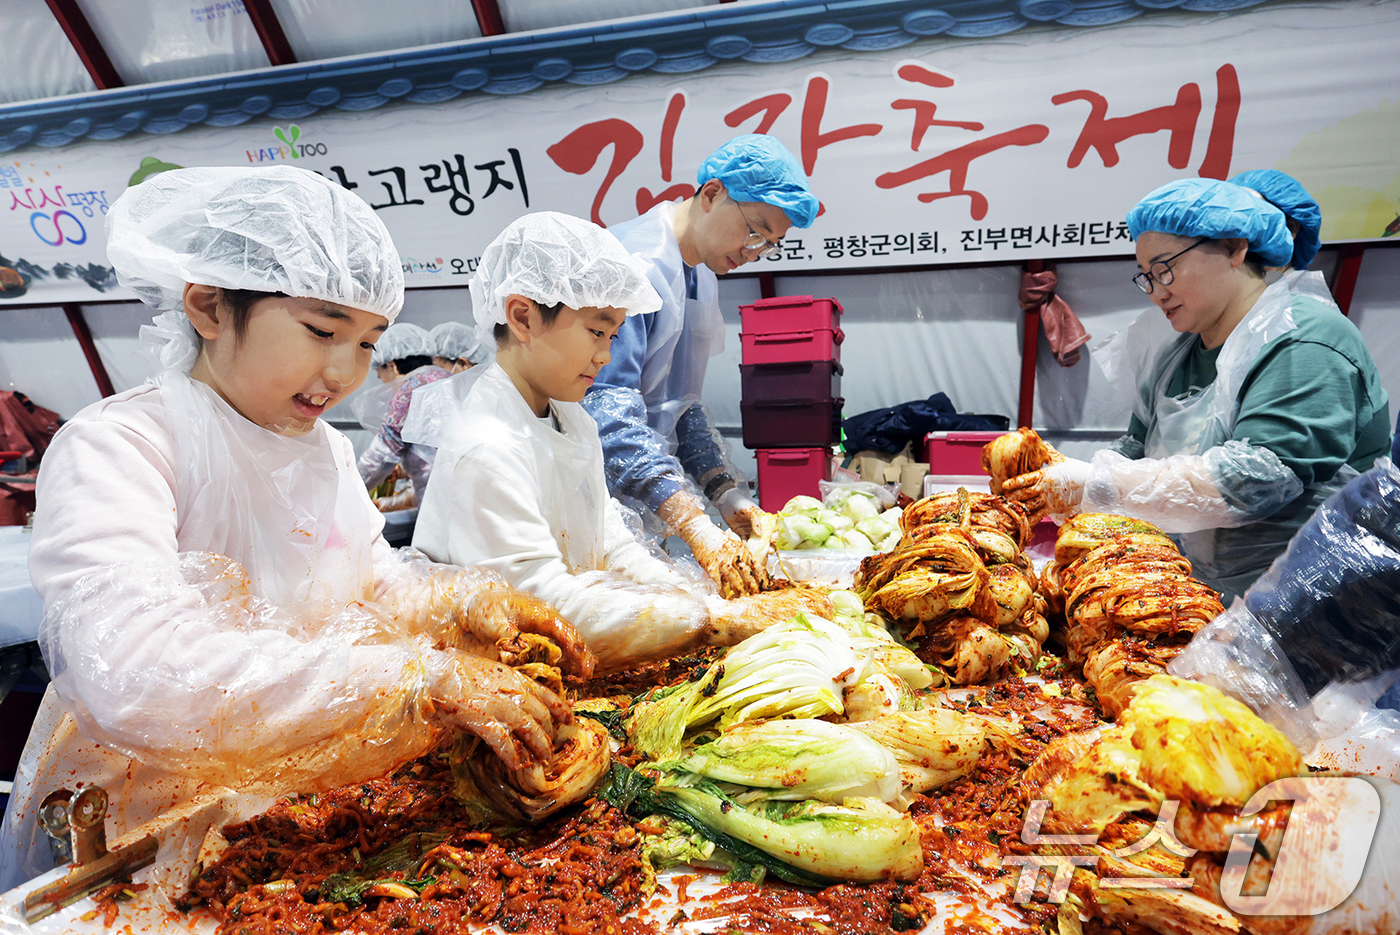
(78, 821)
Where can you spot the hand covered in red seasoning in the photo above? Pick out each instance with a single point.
(720, 552)
(1055, 490)
(733, 621)
(515, 716)
(725, 558)
(502, 616)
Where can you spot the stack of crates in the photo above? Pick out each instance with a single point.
(791, 392)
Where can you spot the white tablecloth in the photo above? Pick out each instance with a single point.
(20, 608)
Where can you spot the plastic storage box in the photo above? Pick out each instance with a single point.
(810, 379)
(790, 313)
(784, 473)
(782, 346)
(800, 422)
(956, 452)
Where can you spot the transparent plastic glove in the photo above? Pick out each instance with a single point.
(733, 621)
(1055, 491)
(406, 500)
(1229, 485)
(723, 556)
(514, 715)
(475, 610)
(738, 510)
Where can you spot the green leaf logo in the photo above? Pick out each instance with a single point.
(295, 132)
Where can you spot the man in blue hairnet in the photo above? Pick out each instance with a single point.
(1254, 401)
(751, 191)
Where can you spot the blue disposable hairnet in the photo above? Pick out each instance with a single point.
(755, 167)
(402, 339)
(1215, 209)
(1287, 194)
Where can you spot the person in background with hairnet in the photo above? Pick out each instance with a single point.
(221, 611)
(751, 191)
(519, 483)
(1259, 403)
(404, 360)
(457, 348)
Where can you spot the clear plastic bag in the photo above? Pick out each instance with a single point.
(1332, 600)
(1315, 643)
(883, 494)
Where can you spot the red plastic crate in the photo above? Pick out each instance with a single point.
(791, 423)
(956, 452)
(784, 473)
(790, 313)
(784, 346)
(814, 379)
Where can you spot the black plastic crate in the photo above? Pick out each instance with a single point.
(795, 422)
(796, 379)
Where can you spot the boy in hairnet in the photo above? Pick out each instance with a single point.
(221, 613)
(518, 485)
(1254, 402)
(404, 361)
(647, 400)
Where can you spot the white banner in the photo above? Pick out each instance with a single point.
(1028, 145)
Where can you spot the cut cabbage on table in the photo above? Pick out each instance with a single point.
(848, 519)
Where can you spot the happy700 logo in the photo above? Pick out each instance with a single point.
(1332, 817)
(291, 148)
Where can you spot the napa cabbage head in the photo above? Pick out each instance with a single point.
(797, 759)
(798, 668)
(1200, 745)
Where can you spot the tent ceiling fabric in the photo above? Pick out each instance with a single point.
(168, 40)
(39, 61)
(321, 29)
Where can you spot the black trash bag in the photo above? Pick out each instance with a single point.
(889, 430)
(1332, 600)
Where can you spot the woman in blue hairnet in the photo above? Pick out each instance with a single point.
(751, 191)
(1262, 403)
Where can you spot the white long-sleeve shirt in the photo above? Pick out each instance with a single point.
(515, 494)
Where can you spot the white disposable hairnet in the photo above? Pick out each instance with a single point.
(400, 340)
(553, 258)
(456, 341)
(275, 229)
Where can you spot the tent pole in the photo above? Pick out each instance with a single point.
(488, 17)
(1344, 280)
(84, 336)
(79, 32)
(1030, 353)
(269, 29)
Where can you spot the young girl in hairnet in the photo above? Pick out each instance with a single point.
(1254, 402)
(221, 611)
(404, 360)
(518, 483)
